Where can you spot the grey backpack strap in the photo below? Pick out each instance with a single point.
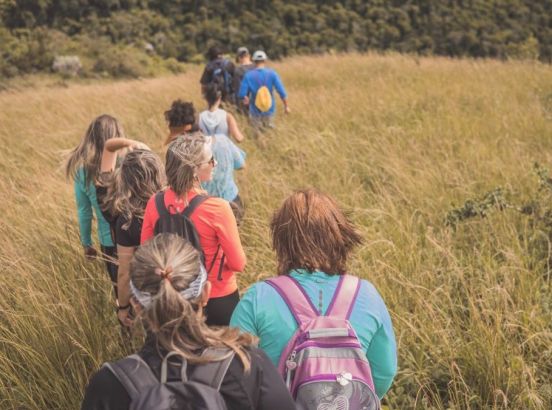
(133, 373)
(213, 373)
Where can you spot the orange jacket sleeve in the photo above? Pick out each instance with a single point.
(229, 238)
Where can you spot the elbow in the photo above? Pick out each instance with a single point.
(237, 265)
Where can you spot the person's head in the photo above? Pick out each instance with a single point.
(214, 52)
(170, 288)
(242, 56)
(88, 154)
(212, 94)
(138, 178)
(259, 57)
(181, 114)
(310, 232)
(188, 162)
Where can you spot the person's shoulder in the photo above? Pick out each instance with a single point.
(261, 290)
(214, 206)
(103, 387)
(369, 299)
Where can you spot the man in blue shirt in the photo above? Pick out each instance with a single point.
(252, 82)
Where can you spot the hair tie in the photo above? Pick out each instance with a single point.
(164, 273)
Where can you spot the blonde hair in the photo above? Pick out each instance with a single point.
(133, 184)
(179, 323)
(88, 154)
(184, 156)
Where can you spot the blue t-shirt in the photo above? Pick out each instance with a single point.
(229, 157)
(253, 80)
(263, 313)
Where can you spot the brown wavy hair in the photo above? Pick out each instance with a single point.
(88, 154)
(178, 323)
(311, 232)
(130, 187)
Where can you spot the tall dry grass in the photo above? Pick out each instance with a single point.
(397, 140)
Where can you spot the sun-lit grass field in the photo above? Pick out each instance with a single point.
(399, 141)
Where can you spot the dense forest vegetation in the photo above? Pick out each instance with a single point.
(143, 37)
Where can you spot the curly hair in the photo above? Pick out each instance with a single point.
(181, 113)
(133, 184)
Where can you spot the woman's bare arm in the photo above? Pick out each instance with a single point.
(233, 128)
(112, 147)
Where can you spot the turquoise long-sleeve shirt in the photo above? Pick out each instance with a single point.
(86, 202)
(263, 313)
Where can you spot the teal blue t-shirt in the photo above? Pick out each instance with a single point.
(263, 313)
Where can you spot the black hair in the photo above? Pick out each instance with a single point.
(212, 94)
(181, 113)
(214, 52)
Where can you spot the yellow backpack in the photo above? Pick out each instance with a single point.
(263, 99)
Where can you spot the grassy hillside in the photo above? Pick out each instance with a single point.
(399, 142)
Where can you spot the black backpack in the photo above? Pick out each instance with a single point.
(221, 76)
(200, 391)
(182, 225)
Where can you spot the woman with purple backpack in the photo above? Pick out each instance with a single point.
(329, 332)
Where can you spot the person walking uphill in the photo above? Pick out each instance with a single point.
(83, 166)
(183, 364)
(189, 162)
(314, 320)
(219, 71)
(256, 91)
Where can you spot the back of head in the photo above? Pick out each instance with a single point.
(180, 114)
(259, 57)
(184, 156)
(214, 52)
(167, 280)
(139, 177)
(212, 94)
(88, 153)
(309, 231)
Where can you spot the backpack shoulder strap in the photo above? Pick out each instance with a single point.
(344, 297)
(213, 373)
(160, 204)
(295, 297)
(133, 373)
(194, 203)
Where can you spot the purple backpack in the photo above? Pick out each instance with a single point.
(323, 364)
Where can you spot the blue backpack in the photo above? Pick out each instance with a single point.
(221, 76)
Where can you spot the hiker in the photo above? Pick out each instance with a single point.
(201, 367)
(189, 162)
(256, 91)
(181, 119)
(244, 64)
(215, 120)
(219, 70)
(83, 166)
(313, 239)
(123, 194)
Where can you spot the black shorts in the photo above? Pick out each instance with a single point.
(219, 310)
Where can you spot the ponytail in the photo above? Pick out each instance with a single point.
(162, 270)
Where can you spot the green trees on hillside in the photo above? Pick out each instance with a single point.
(143, 34)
